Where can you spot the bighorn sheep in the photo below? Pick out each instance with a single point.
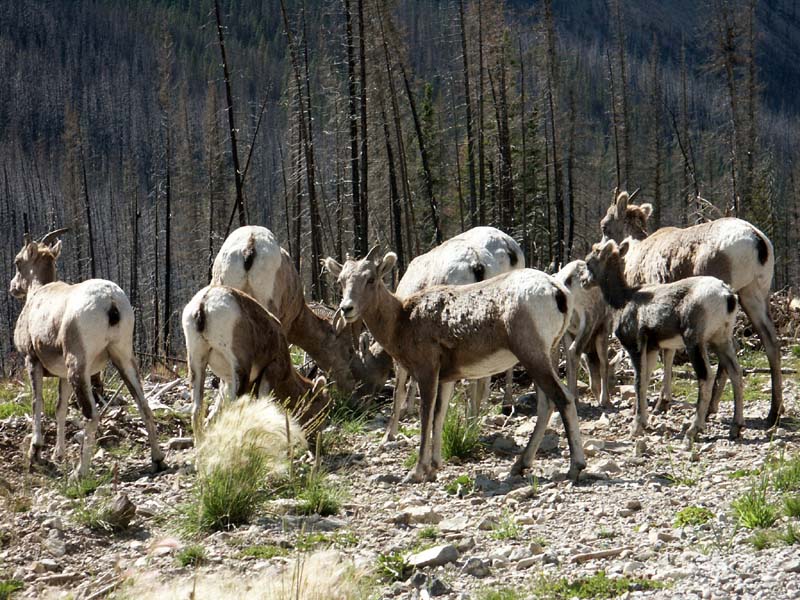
(694, 313)
(474, 255)
(251, 260)
(447, 333)
(730, 249)
(71, 332)
(587, 333)
(245, 347)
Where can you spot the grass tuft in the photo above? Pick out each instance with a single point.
(82, 487)
(786, 477)
(753, 510)
(460, 486)
(693, 515)
(460, 434)
(428, 533)
(393, 567)
(263, 551)
(791, 506)
(593, 586)
(790, 536)
(499, 594)
(8, 587)
(191, 556)
(506, 527)
(318, 494)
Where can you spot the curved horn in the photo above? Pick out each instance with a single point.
(49, 237)
(633, 195)
(26, 238)
(373, 253)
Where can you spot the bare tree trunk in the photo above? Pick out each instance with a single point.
(552, 84)
(623, 75)
(362, 59)
(240, 207)
(523, 127)
(395, 208)
(473, 200)
(481, 158)
(614, 120)
(88, 215)
(571, 174)
(354, 166)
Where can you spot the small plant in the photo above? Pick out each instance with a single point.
(393, 567)
(506, 528)
(8, 587)
(791, 506)
(460, 434)
(762, 539)
(411, 459)
(742, 473)
(499, 594)
(83, 486)
(606, 534)
(428, 533)
(594, 586)
(318, 495)
(460, 486)
(13, 408)
(693, 515)
(307, 542)
(682, 474)
(796, 351)
(753, 510)
(790, 536)
(264, 552)
(191, 556)
(786, 477)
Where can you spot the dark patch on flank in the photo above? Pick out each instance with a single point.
(763, 249)
(561, 301)
(698, 363)
(512, 256)
(479, 270)
(731, 303)
(249, 253)
(200, 317)
(113, 315)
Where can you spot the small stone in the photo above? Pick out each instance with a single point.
(386, 478)
(56, 547)
(536, 548)
(520, 553)
(551, 559)
(627, 392)
(59, 579)
(476, 567)
(791, 566)
(593, 446)
(660, 536)
(549, 443)
(180, 443)
(454, 525)
(488, 523)
(634, 504)
(423, 515)
(418, 579)
(526, 563)
(438, 587)
(504, 445)
(53, 523)
(608, 466)
(624, 512)
(631, 567)
(434, 557)
(639, 448)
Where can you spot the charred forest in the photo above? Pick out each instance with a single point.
(153, 128)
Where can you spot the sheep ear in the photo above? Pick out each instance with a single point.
(647, 209)
(56, 249)
(607, 248)
(622, 203)
(624, 246)
(319, 384)
(373, 254)
(386, 265)
(330, 265)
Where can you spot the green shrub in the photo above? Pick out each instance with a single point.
(499, 594)
(791, 506)
(191, 556)
(786, 477)
(8, 587)
(464, 483)
(594, 586)
(83, 486)
(790, 536)
(460, 434)
(393, 567)
(506, 528)
(693, 515)
(262, 551)
(318, 494)
(753, 510)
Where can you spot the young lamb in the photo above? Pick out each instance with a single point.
(245, 347)
(695, 313)
(588, 332)
(730, 249)
(447, 333)
(251, 260)
(71, 332)
(474, 255)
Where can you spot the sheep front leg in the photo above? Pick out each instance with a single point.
(665, 398)
(640, 417)
(442, 406)
(544, 410)
(399, 400)
(35, 375)
(64, 392)
(428, 388)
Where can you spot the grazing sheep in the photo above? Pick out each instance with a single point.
(245, 347)
(696, 313)
(730, 249)
(447, 333)
(71, 332)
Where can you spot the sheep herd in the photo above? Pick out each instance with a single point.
(468, 309)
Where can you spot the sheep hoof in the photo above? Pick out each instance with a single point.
(414, 476)
(387, 437)
(159, 465)
(637, 429)
(772, 418)
(574, 472)
(736, 431)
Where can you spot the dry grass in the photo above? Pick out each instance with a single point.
(327, 575)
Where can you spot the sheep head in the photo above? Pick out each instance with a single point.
(625, 220)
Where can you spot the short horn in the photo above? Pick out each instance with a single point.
(373, 253)
(633, 195)
(49, 237)
(26, 238)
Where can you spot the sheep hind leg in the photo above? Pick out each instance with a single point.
(699, 358)
(64, 392)
(544, 410)
(35, 374)
(727, 360)
(197, 373)
(126, 366)
(665, 397)
(79, 379)
(442, 405)
(541, 369)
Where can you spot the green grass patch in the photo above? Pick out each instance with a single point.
(8, 587)
(191, 556)
(409, 432)
(262, 551)
(742, 473)
(428, 533)
(14, 408)
(460, 434)
(392, 567)
(606, 534)
(318, 494)
(791, 506)
(762, 539)
(693, 515)
(594, 586)
(461, 485)
(753, 509)
(499, 594)
(84, 486)
(786, 476)
(506, 527)
(411, 459)
(790, 535)
(306, 542)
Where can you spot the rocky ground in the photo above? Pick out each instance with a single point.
(473, 532)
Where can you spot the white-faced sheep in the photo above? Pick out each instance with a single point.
(696, 313)
(447, 333)
(71, 332)
(245, 347)
(730, 249)
(474, 255)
